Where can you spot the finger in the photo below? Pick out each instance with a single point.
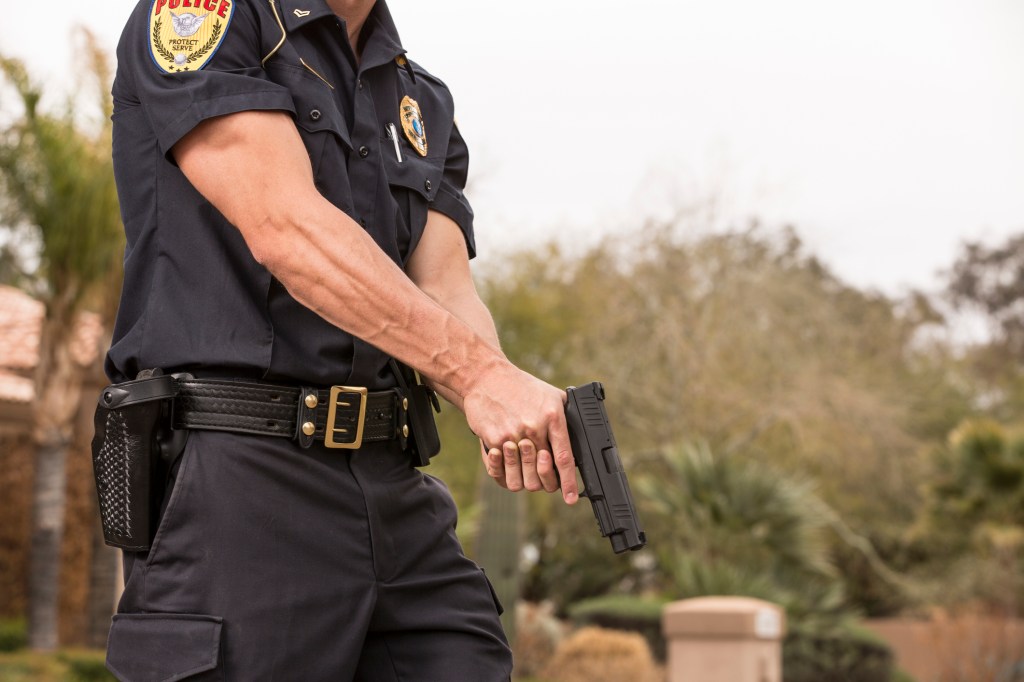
(528, 458)
(513, 469)
(546, 471)
(494, 462)
(562, 452)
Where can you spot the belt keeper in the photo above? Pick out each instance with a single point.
(402, 418)
(305, 423)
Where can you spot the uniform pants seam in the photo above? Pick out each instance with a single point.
(391, 659)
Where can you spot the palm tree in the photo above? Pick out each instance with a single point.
(737, 527)
(56, 182)
(732, 525)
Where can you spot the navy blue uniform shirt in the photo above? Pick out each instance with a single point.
(194, 298)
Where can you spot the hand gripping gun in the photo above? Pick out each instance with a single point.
(604, 479)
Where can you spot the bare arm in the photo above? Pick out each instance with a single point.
(440, 268)
(253, 167)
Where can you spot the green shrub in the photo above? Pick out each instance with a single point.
(13, 634)
(845, 654)
(85, 666)
(624, 612)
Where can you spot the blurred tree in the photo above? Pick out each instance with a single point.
(744, 340)
(972, 524)
(989, 281)
(17, 246)
(56, 183)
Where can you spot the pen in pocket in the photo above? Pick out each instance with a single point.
(393, 135)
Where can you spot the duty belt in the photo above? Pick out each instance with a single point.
(341, 416)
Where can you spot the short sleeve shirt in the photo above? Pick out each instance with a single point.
(382, 144)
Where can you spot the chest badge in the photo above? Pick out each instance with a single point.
(412, 124)
(185, 34)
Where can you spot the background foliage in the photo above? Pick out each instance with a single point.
(787, 434)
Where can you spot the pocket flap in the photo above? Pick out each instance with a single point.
(162, 647)
(315, 110)
(417, 173)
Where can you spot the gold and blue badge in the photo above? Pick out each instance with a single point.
(412, 124)
(185, 34)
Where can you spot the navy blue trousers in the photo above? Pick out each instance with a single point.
(276, 563)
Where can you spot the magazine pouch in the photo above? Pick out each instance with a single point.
(424, 441)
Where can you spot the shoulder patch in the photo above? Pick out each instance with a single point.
(185, 34)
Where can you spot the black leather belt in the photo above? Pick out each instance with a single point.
(341, 416)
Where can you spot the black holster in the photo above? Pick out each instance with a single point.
(132, 450)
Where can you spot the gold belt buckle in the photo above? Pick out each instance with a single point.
(341, 436)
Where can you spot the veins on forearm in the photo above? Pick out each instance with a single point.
(379, 304)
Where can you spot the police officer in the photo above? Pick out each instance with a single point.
(292, 193)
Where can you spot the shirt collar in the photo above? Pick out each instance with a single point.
(382, 44)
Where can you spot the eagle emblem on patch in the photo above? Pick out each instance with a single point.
(412, 124)
(185, 34)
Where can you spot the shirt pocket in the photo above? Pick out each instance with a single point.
(414, 182)
(321, 124)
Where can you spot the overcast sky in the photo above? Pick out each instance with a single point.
(887, 131)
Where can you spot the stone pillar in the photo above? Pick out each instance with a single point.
(724, 639)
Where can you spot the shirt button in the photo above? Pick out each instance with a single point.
(364, 151)
(315, 114)
(359, 83)
(427, 185)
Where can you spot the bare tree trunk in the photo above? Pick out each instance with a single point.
(60, 378)
(47, 533)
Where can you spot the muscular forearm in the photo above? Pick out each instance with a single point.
(439, 266)
(324, 259)
(471, 310)
(348, 281)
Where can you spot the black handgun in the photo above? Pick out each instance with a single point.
(604, 479)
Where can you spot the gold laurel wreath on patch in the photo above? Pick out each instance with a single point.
(209, 44)
(166, 54)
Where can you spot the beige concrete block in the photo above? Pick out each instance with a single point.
(724, 639)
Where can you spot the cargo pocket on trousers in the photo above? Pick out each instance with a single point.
(162, 647)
